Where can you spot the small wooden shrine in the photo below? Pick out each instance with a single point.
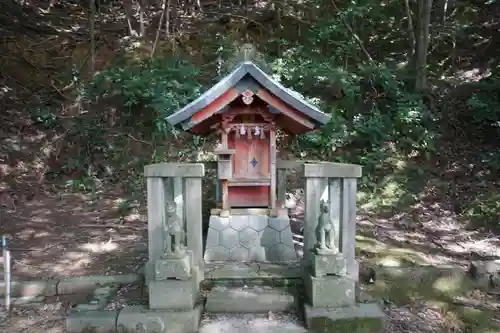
(246, 108)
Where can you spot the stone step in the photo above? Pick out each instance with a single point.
(251, 299)
(230, 270)
(251, 323)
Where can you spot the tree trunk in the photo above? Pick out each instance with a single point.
(422, 44)
(143, 4)
(168, 21)
(92, 38)
(129, 14)
(443, 8)
(411, 33)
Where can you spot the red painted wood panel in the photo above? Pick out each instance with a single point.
(216, 105)
(249, 196)
(284, 108)
(246, 151)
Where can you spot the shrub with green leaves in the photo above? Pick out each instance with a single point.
(150, 89)
(372, 116)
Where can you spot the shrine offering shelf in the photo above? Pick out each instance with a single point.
(249, 182)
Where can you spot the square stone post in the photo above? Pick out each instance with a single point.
(178, 196)
(347, 231)
(156, 216)
(334, 196)
(281, 185)
(314, 191)
(194, 219)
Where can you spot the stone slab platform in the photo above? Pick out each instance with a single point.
(359, 318)
(238, 270)
(251, 299)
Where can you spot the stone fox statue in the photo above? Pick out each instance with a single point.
(173, 230)
(325, 230)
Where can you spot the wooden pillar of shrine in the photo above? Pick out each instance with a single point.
(272, 166)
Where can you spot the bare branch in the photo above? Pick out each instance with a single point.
(356, 37)
(163, 9)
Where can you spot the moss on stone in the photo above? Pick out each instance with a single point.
(351, 325)
(422, 283)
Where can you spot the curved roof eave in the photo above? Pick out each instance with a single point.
(286, 95)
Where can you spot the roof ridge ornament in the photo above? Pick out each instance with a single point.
(248, 51)
(243, 54)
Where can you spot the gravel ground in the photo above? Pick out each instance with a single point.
(47, 318)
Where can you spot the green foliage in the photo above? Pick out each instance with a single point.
(44, 117)
(159, 86)
(83, 184)
(127, 102)
(484, 211)
(484, 104)
(373, 118)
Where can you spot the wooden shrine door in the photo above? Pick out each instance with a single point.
(250, 184)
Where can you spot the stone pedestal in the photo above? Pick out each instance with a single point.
(332, 302)
(175, 285)
(328, 264)
(176, 268)
(330, 291)
(172, 294)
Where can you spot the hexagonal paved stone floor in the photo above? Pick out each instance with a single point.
(250, 238)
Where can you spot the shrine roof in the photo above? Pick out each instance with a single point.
(238, 75)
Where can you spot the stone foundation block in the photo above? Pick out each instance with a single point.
(329, 264)
(179, 268)
(91, 321)
(138, 319)
(250, 238)
(330, 291)
(359, 318)
(172, 294)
